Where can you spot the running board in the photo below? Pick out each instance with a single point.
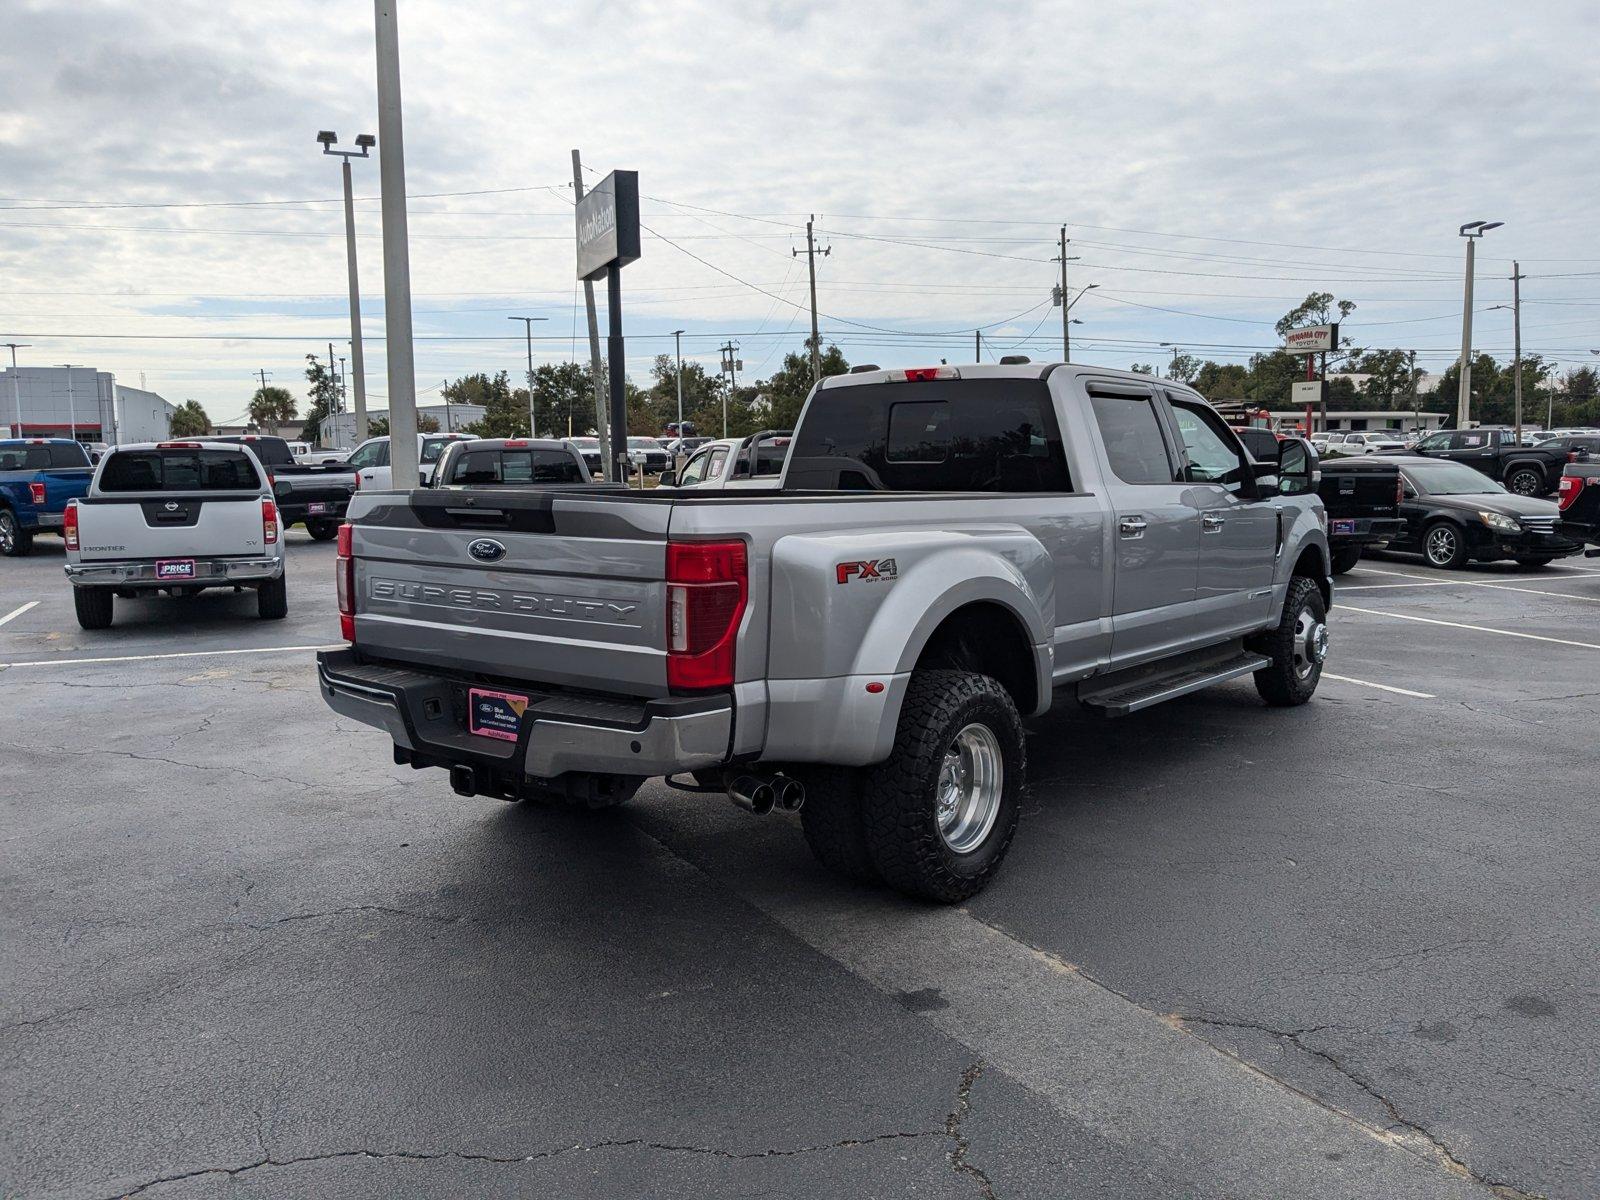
(1120, 699)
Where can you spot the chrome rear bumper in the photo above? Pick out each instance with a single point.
(142, 573)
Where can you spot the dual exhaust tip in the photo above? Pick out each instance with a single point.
(760, 796)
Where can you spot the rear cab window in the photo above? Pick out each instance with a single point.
(178, 469)
(492, 465)
(937, 435)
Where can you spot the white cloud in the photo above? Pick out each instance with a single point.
(1378, 128)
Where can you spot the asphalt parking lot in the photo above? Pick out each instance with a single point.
(1341, 950)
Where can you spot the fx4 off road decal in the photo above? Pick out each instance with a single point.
(873, 570)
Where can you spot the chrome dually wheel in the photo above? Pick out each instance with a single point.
(971, 782)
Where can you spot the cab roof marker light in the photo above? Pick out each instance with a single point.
(923, 374)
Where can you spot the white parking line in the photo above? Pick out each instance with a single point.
(67, 662)
(1423, 580)
(1340, 589)
(1532, 637)
(17, 612)
(1382, 687)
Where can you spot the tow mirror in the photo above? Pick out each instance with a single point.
(1298, 469)
(668, 478)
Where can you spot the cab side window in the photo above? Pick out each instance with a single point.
(694, 471)
(1212, 452)
(373, 454)
(1437, 441)
(718, 457)
(1131, 430)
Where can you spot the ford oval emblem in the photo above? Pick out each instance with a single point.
(486, 550)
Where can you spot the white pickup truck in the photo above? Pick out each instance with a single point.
(725, 464)
(371, 459)
(177, 517)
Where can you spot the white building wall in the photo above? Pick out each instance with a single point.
(55, 400)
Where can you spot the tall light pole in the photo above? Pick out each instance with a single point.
(527, 325)
(1173, 346)
(404, 460)
(677, 340)
(364, 143)
(1472, 231)
(16, 383)
(72, 407)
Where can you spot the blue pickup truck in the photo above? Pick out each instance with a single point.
(37, 478)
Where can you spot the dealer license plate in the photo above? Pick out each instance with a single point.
(317, 507)
(175, 568)
(1343, 527)
(495, 714)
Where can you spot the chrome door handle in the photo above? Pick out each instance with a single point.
(1212, 522)
(1132, 528)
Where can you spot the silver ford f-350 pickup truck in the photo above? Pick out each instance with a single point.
(949, 550)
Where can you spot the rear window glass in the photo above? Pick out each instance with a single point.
(24, 458)
(516, 466)
(943, 435)
(178, 470)
(433, 447)
(272, 451)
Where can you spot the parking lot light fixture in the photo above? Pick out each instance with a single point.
(364, 144)
(1472, 231)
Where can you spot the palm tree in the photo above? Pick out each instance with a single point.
(271, 405)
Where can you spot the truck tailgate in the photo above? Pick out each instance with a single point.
(558, 587)
(1361, 488)
(170, 525)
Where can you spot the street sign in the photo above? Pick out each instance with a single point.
(1308, 391)
(1312, 338)
(608, 225)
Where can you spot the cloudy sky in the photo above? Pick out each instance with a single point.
(166, 211)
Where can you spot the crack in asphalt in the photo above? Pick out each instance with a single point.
(954, 1130)
(1440, 1147)
(356, 908)
(267, 1159)
(230, 768)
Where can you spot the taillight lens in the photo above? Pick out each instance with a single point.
(707, 588)
(269, 523)
(1571, 485)
(1399, 490)
(69, 526)
(36, 491)
(344, 582)
(923, 374)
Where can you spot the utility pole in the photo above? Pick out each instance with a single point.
(527, 325)
(261, 372)
(1472, 231)
(1066, 322)
(977, 345)
(677, 340)
(16, 383)
(811, 267)
(444, 390)
(364, 143)
(730, 365)
(1411, 374)
(596, 369)
(1516, 327)
(403, 456)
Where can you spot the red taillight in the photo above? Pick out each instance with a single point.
(69, 527)
(344, 582)
(707, 586)
(36, 491)
(355, 484)
(1399, 490)
(179, 446)
(515, 443)
(1571, 485)
(269, 523)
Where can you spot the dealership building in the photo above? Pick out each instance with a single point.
(81, 403)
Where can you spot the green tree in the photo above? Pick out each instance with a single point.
(377, 426)
(506, 412)
(323, 393)
(785, 392)
(702, 393)
(1183, 368)
(270, 407)
(190, 420)
(1142, 368)
(427, 423)
(563, 399)
(1271, 377)
(1221, 381)
(1320, 308)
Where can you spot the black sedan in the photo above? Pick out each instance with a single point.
(1455, 515)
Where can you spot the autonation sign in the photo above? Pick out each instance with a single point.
(608, 225)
